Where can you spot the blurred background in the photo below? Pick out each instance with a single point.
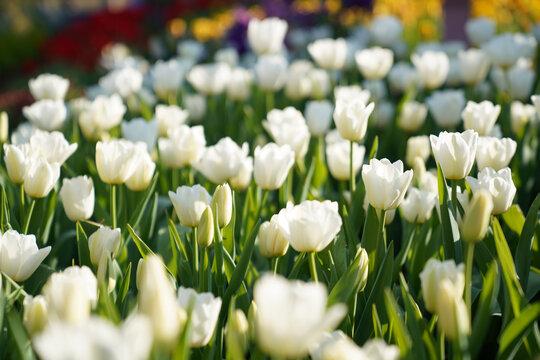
(68, 36)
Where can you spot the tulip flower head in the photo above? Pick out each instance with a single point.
(455, 152)
(19, 255)
(386, 183)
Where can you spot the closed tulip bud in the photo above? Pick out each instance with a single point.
(48, 86)
(205, 229)
(16, 158)
(144, 171)
(412, 117)
(4, 126)
(78, 197)
(204, 317)
(375, 62)
(139, 129)
(19, 255)
(36, 314)
(46, 114)
(452, 311)
(432, 67)
(455, 152)
(189, 203)
(480, 30)
(520, 115)
(272, 164)
(106, 273)
(446, 106)
(169, 117)
(103, 242)
(266, 36)
(386, 183)
(318, 116)
(40, 177)
(432, 276)
(311, 225)
(196, 106)
(480, 117)
(329, 53)
(272, 243)
(499, 184)
(474, 66)
(475, 223)
(363, 266)
(237, 335)
(71, 294)
(418, 205)
(271, 72)
(116, 160)
(494, 153)
(222, 204)
(351, 119)
(417, 147)
(157, 300)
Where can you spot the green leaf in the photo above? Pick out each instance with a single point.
(377, 328)
(448, 219)
(348, 285)
(82, 247)
(374, 148)
(307, 183)
(508, 268)
(218, 252)
(523, 251)
(514, 218)
(488, 299)
(403, 338)
(144, 250)
(351, 239)
(515, 332)
(124, 285)
(47, 219)
(369, 238)
(137, 214)
(20, 337)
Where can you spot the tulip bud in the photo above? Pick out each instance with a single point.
(205, 229)
(104, 241)
(105, 272)
(35, 316)
(236, 338)
(431, 278)
(477, 215)
(4, 126)
(419, 171)
(78, 197)
(417, 146)
(363, 267)
(15, 159)
(499, 184)
(40, 177)
(189, 203)
(222, 204)
(252, 315)
(272, 243)
(452, 311)
(412, 117)
(142, 176)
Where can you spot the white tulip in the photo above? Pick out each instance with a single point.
(19, 255)
(272, 164)
(499, 184)
(338, 157)
(386, 183)
(292, 315)
(329, 53)
(318, 116)
(141, 130)
(271, 72)
(452, 311)
(351, 118)
(288, 127)
(222, 204)
(48, 86)
(141, 178)
(191, 49)
(239, 85)
(520, 115)
(494, 153)
(377, 349)
(102, 114)
(16, 159)
(189, 203)
(70, 294)
(320, 83)
(418, 205)
(116, 160)
(209, 79)
(412, 117)
(298, 85)
(446, 107)
(123, 81)
(337, 346)
(375, 62)
(271, 241)
(480, 30)
(78, 197)
(521, 80)
(454, 77)
(266, 36)
(402, 77)
(195, 105)
(184, 146)
(40, 177)
(311, 225)
(222, 161)
(243, 179)
(204, 317)
(228, 55)
(169, 117)
(386, 30)
(536, 101)
(417, 146)
(480, 117)
(455, 152)
(46, 114)
(103, 242)
(433, 274)
(503, 50)
(167, 77)
(432, 67)
(474, 66)
(112, 55)
(52, 146)
(351, 93)
(36, 314)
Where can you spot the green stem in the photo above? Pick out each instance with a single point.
(195, 247)
(113, 205)
(174, 179)
(29, 216)
(352, 179)
(454, 196)
(468, 277)
(21, 207)
(269, 101)
(380, 232)
(202, 272)
(190, 176)
(275, 265)
(313, 267)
